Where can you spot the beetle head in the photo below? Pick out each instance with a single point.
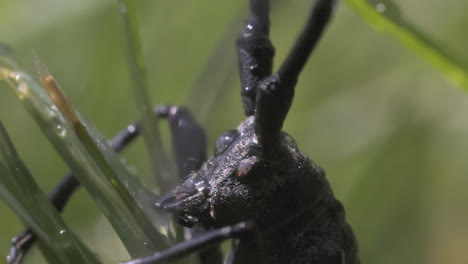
(238, 183)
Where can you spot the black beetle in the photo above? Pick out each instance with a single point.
(258, 188)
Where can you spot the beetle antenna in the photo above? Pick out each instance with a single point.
(307, 40)
(275, 93)
(255, 53)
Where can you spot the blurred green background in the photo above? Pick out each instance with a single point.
(388, 128)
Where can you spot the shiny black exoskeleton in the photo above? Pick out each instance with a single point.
(285, 194)
(257, 173)
(257, 189)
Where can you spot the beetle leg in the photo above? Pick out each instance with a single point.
(276, 92)
(188, 138)
(245, 231)
(62, 193)
(255, 52)
(189, 145)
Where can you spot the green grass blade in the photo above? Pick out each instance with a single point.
(385, 17)
(90, 167)
(19, 190)
(97, 149)
(137, 71)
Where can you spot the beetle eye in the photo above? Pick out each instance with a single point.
(225, 140)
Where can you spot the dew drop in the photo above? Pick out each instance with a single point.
(61, 131)
(131, 128)
(380, 7)
(225, 140)
(173, 110)
(253, 67)
(22, 90)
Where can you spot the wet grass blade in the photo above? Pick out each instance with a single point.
(137, 69)
(19, 190)
(92, 161)
(111, 168)
(384, 16)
